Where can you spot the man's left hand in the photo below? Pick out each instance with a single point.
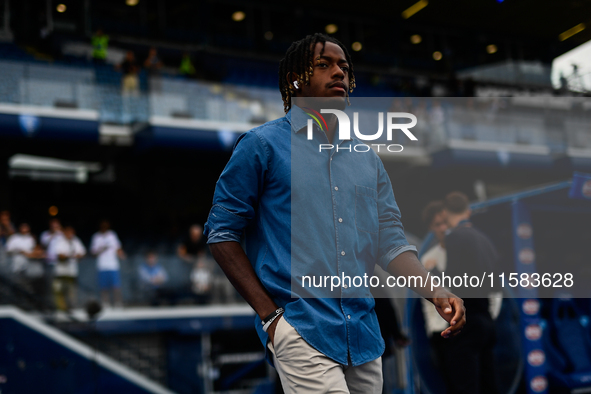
(451, 308)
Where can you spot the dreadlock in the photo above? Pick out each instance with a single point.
(299, 60)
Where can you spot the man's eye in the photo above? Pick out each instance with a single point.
(322, 65)
(345, 69)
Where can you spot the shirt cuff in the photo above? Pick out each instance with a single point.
(223, 225)
(392, 254)
(222, 236)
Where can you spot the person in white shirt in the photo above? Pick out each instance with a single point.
(69, 250)
(201, 281)
(54, 231)
(20, 246)
(106, 246)
(28, 264)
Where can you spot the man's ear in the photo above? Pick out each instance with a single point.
(291, 78)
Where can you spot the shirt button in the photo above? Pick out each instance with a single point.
(343, 253)
(349, 317)
(345, 286)
(336, 188)
(340, 220)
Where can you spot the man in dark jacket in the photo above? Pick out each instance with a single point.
(470, 252)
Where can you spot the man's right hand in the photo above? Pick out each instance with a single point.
(235, 264)
(271, 330)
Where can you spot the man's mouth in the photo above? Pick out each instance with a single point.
(340, 86)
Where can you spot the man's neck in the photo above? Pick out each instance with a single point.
(454, 220)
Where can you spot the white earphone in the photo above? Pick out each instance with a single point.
(296, 84)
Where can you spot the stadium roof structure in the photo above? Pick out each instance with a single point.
(464, 33)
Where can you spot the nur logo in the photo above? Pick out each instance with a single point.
(316, 116)
(345, 129)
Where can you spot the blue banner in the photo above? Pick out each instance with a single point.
(581, 186)
(30, 126)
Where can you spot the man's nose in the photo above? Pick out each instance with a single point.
(338, 72)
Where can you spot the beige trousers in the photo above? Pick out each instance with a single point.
(303, 369)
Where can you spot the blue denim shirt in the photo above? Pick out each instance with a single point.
(305, 212)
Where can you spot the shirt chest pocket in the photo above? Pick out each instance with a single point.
(366, 209)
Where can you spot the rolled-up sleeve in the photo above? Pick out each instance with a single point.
(392, 240)
(237, 190)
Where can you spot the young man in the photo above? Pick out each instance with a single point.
(470, 251)
(105, 245)
(299, 215)
(68, 250)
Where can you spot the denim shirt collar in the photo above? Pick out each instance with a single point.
(297, 118)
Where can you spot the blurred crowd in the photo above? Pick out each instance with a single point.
(48, 266)
(130, 67)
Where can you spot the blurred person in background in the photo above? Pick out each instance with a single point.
(469, 251)
(6, 230)
(186, 68)
(153, 277)
(69, 250)
(130, 83)
(193, 251)
(435, 261)
(28, 263)
(193, 247)
(54, 232)
(100, 44)
(437, 133)
(6, 227)
(153, 65)
(105, 245)
(20, 247)
(201, 282)
(420, 111)
(48, 240)
(36, 277)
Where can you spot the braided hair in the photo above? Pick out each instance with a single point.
(299, 60)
